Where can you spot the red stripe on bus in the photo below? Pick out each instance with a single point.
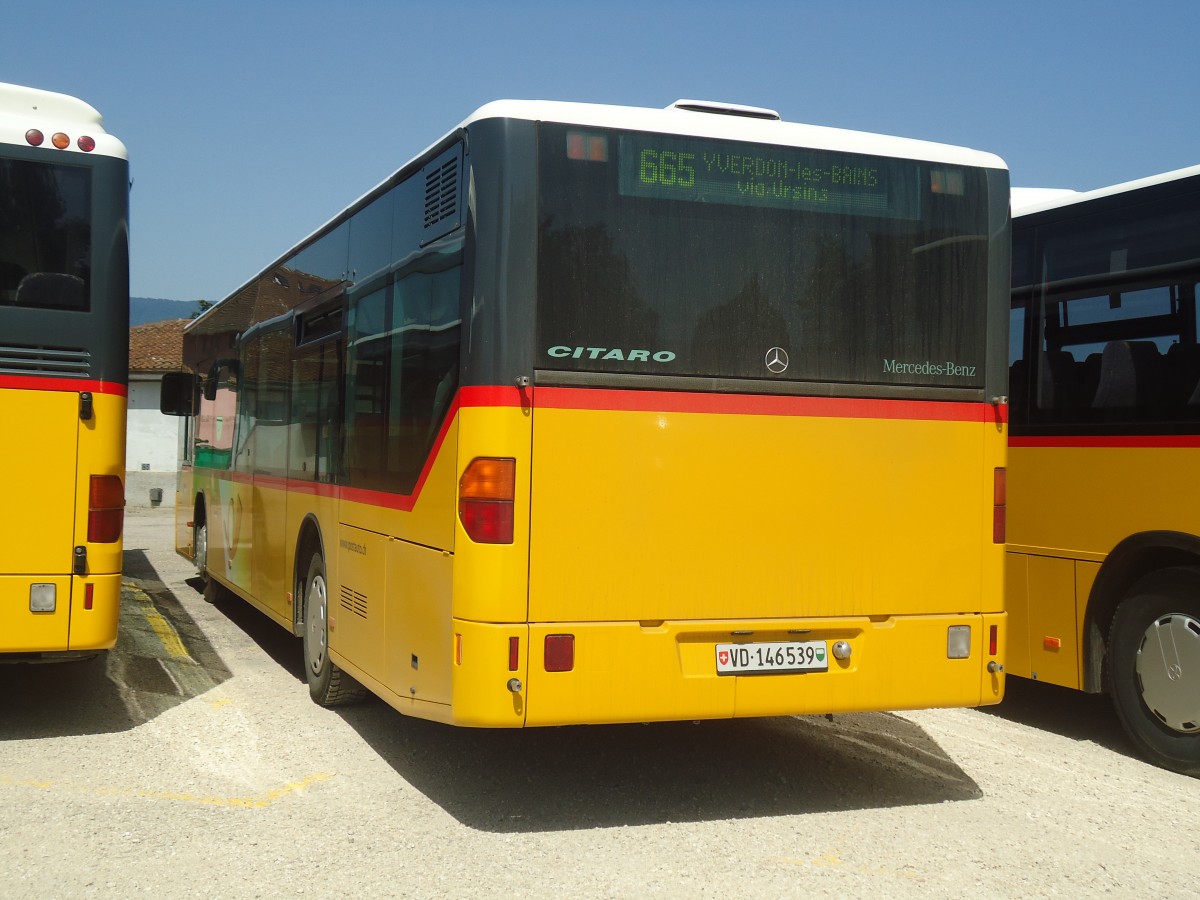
(1111, 441)
(496, 396)
(71, 385)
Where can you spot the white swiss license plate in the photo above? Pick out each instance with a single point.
(777, 656)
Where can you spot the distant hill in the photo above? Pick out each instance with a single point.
(154, 309)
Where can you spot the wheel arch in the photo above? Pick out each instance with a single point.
(1132, 559)
(309, 540)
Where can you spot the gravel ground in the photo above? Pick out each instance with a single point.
(189, 762)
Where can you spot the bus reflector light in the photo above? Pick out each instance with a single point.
(60, 140)
(958, 642)
(993, 637)
(86, 144)
(43, 598)
(34, 137)
(106, 509)
(89, 592)
(560, 652)
(514, 653)
(1052, 643)
(999, 506)
(457, 649)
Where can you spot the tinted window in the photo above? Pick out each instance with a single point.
(403, 346)
(315, 426)
(697, 257)
(45, 235)
(1114, 318)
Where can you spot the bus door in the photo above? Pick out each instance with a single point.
(37, 531)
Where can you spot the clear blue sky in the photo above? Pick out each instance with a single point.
(250, 123)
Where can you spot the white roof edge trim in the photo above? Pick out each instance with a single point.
(22, 108)
(1069, 198)
(1022, 198)
(759, 131)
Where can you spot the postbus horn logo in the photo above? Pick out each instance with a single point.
(777, 360)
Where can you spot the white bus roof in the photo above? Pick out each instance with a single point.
(23, 108)
(1022, 198)
(1053, 199)
(737, 123)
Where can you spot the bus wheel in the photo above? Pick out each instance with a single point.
(327, 684)
(1153, 668)
(211, 589)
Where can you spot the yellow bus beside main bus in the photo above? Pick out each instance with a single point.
(64, 348)
(1104, 553)
(598, 414)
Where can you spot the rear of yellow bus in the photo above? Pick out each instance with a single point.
(757, 467)
(64, 333)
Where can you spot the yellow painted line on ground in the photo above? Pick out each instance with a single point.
(167, 635)
(256, 801)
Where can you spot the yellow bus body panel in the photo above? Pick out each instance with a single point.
(674, 516)
(51, 463)
(1068, 508)
(491, 581)
(23, 631)
(38, 454)
(654, 536)
(101, 452)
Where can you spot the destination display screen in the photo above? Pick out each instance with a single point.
(703, 171)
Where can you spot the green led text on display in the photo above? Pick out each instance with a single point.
(709, 172)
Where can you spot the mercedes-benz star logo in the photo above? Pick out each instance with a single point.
(777, 360)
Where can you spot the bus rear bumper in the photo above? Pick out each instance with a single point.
(659, 671)
(42, 614)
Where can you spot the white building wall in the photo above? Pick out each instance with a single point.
(151, 445)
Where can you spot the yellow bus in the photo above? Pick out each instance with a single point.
(1104, 553)
(600, 414)
(64, 348)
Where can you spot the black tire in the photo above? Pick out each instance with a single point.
(1152, 670)
(210, 589)
(328, 685)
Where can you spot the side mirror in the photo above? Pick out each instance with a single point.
(175, 395)
(210, 383)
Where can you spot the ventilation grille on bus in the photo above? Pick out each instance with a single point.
(18, 359)
(442, 195)
(353, 601)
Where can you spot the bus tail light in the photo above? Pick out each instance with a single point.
(485, 500)
(106, 509)
(999, 506)
(34, 137)
(560, 652)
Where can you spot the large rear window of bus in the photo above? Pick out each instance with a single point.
(45, 235)
(697, 257)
